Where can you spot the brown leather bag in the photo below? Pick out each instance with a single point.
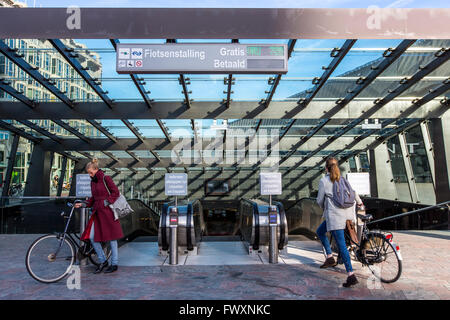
(351, 230)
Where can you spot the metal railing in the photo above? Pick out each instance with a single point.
(439, 205)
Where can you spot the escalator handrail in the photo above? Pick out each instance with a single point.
(256, 222)
(189, 216)
(300, 200)
(439, 205)
(283, 226)
(164, 243)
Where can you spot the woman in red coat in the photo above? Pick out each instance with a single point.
(102, 226)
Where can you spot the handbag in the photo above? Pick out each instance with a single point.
(351, 230)
(120, 207)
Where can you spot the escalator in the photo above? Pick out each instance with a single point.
(304, 216)
(43, 216)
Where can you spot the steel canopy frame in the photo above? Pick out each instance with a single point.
(11, 54)
(441, 57)
(338, 54)
(71, 58)
(276, 81)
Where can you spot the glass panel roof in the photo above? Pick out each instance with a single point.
(306, 62)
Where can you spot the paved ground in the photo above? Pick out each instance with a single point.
(426, 275)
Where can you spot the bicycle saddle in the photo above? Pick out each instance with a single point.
(365, 217)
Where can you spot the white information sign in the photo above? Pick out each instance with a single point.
(83, 186)
(175, 184)
(360, 182)
(270, 183)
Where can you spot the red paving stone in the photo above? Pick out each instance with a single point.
(426, 275)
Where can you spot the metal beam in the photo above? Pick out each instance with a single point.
(428, 146)
(441, 57)
(40, 130)
(338, 54)
(73, 131)
(229, 82)
(164, 129)
(392, 133)
(17, 59)
(275, 81)
(137, 81)
(111, 156)
(20, 132)
(224, 23)
(183, 82)
(305, 139)
(408, 168)
(61, 178)
(133, 156)
(102, 129)
(390, 56)
(4, 85)
(203, 110)
(134, 130)
(10, 167)
(71, 57)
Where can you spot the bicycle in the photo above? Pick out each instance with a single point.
(376, 250)
(15, 190)
(50, 258)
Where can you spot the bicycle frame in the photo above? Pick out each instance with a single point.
(364, 236)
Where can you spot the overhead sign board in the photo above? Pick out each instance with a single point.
(270, 183)
(201, 58)
(175, 184)
(360, 182)
(83, 186)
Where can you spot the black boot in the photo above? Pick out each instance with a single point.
(351, 281)
(111, 268)
(101, 266)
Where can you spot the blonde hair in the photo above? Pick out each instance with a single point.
(92, 164)
(333, 168)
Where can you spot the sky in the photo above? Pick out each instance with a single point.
(243, 3)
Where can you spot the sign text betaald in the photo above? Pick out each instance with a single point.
(201, 58)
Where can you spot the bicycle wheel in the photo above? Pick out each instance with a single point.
(50, 258)
(381, 257)
(93, 258)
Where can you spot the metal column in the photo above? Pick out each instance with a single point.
(382, 184)
(62, 176)
(408, 168)
(9, 170)
(38, 179)
(358, 163)
(83, 214)
(79, 168)
(441, 142)
(273, 233)
(173, 224)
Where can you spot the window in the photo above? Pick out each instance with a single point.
(418, 155)
(2, 64)
(398, 166)
(53, 65)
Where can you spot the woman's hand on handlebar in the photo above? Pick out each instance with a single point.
(79, 205)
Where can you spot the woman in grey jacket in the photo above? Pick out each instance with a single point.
(335, 220)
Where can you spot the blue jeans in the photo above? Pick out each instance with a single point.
(98, 249)
(338, 235)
